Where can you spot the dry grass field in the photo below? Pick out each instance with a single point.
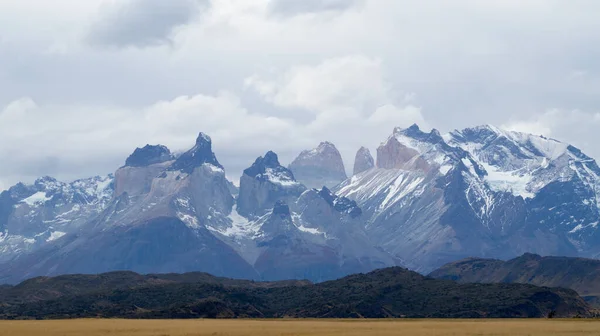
(299, 327)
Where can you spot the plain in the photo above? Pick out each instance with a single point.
(117, 327)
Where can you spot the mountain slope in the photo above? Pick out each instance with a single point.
(393, 292)
(34, 215)
(286, 231)
(582, 275)
(480, 192)
(155, 222)
(428, 200)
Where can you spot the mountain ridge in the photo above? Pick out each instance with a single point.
(428, 199)
(392, 292)
(579, 274)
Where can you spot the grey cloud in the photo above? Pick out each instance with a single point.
(142, 23)
(503, 62)
(295, 7)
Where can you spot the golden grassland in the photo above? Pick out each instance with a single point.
(93, 327)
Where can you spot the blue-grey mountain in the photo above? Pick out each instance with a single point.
(425, 200)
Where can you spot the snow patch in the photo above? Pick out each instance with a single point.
(190, 221)
(55, 235)
(36, 199)
(280, 179)
(309, 230)
(400, 189)
(509, 181)
(240, 226)
(214, 169)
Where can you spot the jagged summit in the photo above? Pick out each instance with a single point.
(432, 198)
(320, 166)
(268, 168)
(200, 154)
(340, 204)
(363, 161)
(148, 155)
(414, 132)
(265, 183)
(268, 164)
(415, 150)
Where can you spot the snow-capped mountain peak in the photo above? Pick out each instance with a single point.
(264, 183)
(200, 154)
(148, 155)
(430, 199)
(269, 169)
(520, 163)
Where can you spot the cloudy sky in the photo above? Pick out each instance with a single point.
(82, 83)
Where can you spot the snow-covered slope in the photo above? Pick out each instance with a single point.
(33, 215)
(426, 200)
(156, 222)
(478, 192)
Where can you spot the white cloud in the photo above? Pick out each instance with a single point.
(347, 96)
(80, 140)
(468, 62)
(351, 82)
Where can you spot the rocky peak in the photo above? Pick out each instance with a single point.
(340, 204)
(148, 155)
(321, 166)
(417, 135)
(363, 161)
(46, 182)
(200, 154)
(412, 149)
(264, 184)
(269, 166)
(279, 222)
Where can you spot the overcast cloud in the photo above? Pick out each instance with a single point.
(82, 83)
(142, 23)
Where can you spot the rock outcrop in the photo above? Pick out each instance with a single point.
(265, 183)
(148, 155)
(363, 161)
(322, 166)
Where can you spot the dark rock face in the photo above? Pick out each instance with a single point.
(363, 161)
(200, 154)
(322, 166)
(148, 155)
(289, 254)
(265, 183)
(340, 204)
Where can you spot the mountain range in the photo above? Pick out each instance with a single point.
(426, 199)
